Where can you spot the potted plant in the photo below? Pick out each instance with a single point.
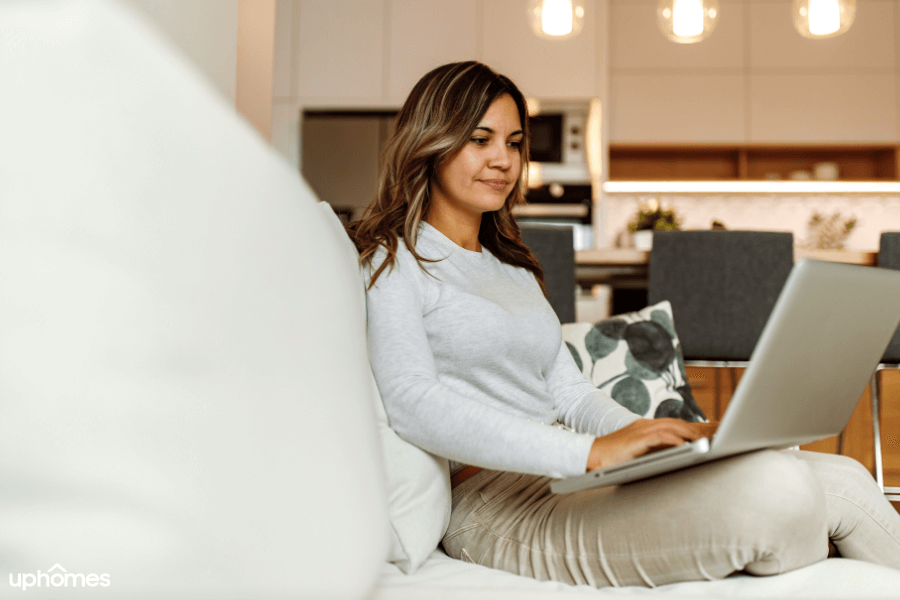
(649, 219)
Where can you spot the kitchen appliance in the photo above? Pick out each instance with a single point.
(558, 141)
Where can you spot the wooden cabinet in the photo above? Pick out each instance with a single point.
(750, 162)
(858, 439)
(890, 426)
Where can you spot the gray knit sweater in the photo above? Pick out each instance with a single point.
(471, 365)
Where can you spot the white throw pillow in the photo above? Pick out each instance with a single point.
(186, 396)
(636, 358)
(418, 482)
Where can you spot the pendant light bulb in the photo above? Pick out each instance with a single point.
(687, 21)
(556, 19)
(820, 19)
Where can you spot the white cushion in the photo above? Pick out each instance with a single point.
(636, 358)
(186, 398)
(418, 482)
(444, 578)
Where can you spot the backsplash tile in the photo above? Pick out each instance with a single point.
(769, 212)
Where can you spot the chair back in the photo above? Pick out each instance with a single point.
(889, 258)
(722, 286)
(554, 248)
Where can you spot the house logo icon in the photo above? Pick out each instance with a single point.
(58, 576)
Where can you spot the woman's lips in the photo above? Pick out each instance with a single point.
(496, 184)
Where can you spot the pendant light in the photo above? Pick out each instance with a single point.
(556, 19)
(820, 19)
(687, 21)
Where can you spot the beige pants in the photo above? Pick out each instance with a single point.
(764, 513)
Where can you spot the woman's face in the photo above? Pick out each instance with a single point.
(480, 177)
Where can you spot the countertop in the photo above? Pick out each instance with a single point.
(631, 257)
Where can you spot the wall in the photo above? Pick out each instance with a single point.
(788, 212)
(255, 59)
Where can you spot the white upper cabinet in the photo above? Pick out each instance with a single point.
(339, 51)
(637, 44)
(425, 34)
(543, 68)
(678, 108)
(869, 43)
(663, 92)
(755, 79)
(372, 52)
(836, 90)
(831, 108)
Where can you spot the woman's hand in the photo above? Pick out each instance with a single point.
(642, 437)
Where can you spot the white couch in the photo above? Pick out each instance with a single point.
(186, 406)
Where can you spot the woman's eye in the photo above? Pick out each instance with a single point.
(480, 141)
(516, 144)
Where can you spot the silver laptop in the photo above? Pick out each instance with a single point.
(818, 350)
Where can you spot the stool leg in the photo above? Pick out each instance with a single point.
(876, 431)
(718, 389)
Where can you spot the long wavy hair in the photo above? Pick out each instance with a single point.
(436, 121)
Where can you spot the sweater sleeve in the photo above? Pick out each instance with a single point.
(581, 406)
(436, 418)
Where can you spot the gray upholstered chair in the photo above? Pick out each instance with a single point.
(554, 248)
(722, 286)
(889, 258)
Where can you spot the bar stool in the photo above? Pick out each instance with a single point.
(888, 258)
(554, 248)
(722, 286)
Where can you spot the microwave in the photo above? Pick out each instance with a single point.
(557, 140)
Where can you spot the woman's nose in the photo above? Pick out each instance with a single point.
(501, 156)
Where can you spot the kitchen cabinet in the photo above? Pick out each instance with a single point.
(341, 156)
(327, 33)
(427, 33)
(370, 54)
(751, 162)
(543, 68)
(858, 440)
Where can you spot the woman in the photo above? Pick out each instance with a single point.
(470, 363)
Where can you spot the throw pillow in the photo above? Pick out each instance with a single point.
(636, 358)
(418, 482)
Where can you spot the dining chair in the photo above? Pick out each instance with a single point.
(722, 286)
(554, 248)
(888, 258)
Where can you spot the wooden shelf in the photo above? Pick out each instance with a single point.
(750, 162)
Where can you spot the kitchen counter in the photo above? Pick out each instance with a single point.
(627, 267)
(623, 257)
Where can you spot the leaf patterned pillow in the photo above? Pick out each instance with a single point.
(636, 358)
